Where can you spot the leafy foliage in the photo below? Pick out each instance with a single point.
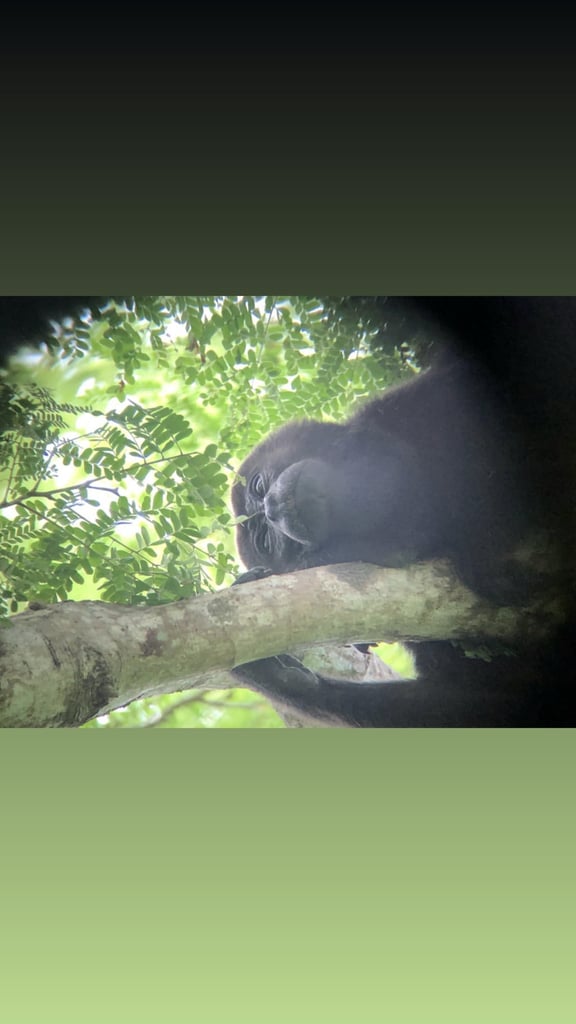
(134, 467)
(118, 448)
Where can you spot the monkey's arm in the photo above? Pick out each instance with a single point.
(406, 704)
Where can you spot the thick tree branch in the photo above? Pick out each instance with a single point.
(61, 665)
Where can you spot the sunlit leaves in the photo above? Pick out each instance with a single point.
(130, 472)
(131, 498)
(121, 493)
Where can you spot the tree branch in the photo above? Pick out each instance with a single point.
(66, 663)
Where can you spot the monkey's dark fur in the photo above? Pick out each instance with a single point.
(451, 465)
(424, 470)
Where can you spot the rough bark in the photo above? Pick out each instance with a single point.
(63, 664)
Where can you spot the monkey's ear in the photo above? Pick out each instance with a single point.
(259, 572)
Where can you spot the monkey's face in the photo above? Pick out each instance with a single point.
(322, 493)
(288, 515)
(287, 498)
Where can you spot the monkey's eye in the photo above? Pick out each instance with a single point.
(258, 485)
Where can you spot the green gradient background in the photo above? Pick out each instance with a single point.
(407, 876)
(400, 877)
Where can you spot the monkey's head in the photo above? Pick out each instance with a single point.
(320, 493)
(284, 488)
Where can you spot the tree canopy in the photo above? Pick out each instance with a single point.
(121, 433)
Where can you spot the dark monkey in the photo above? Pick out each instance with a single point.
(462, 462)
(456, 464)
(420, 472)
